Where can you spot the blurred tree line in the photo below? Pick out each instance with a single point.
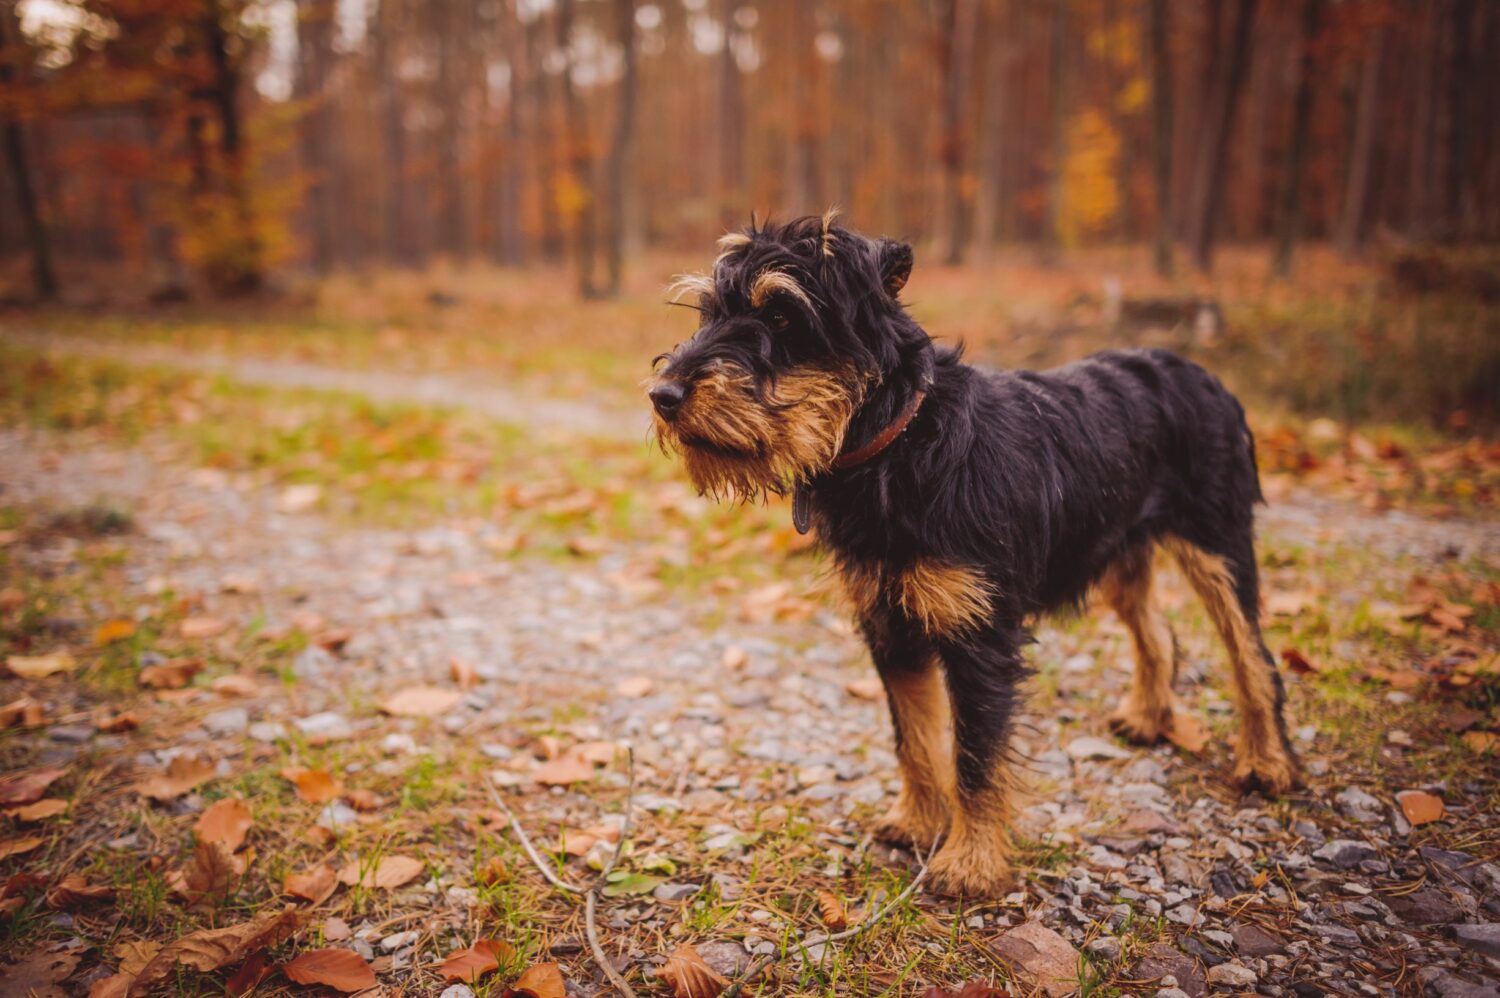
(222, 139)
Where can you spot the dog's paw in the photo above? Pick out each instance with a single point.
(1270, 774)
(909, 824)
(1138, 725)
(970, 868)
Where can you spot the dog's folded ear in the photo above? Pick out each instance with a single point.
(895, 265)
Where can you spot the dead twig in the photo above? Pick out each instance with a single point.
(590, 893)
(759, 966)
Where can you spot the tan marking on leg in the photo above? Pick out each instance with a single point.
(943, 598)
(975, 859)
(1145, 715)
(919, 712)
(1260, 756)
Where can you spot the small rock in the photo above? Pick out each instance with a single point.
(1162, 961)
(396, 940)
(457, 991)
(1234, 974)
(1145, 770)
(74, 734)
(1042, 956)
(398, 744)
(1428, 906)
(227, 723)
(1443, 984)
(267, 731)
(1352, 802)
(1252, 940)
(337, 815)
(728, 959)
(1105, 948)
(1172, 993)
(1090, 747)
(1482, 938)
(565, 946)
(674, 892)
(325, 727)
(1345, 854)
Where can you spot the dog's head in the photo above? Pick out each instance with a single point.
(800, 322)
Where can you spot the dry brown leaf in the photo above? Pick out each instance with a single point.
(1419, 807)
(832, 911)
(1480, 742)
(49, 807)
(316, 885)
(126, 721)
(541, 980)
(463, 673)
(198, 628)
(1187, 732)
(11, 598)
(16, 847)
(38, 976)
(341, 969)
(364, 800)
(1298, 663)
(134, 954)
(563, 771)
(212, 870)
(316, 786)
(183, 773)
(211, 949)
(227, 822)
(337, 930)
(598, 753)
(73, 892)
(390, 872)
(172, 674)
(865, 688)
(495, 871)
(23, 788)
(249, 974)
(114, 630)
(114, 986)
(689, 976)
(473, 962)
(421, 701)
(26, 712)
(40, 666)
(333, 639)
(235, 685)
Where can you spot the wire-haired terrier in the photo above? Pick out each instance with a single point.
(959, 503)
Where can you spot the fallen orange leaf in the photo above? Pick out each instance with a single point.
(341, 969)
(473, 962)
(1420, 807)
(183, 773)
(114, 630)
(421, 701)
(316, 786)
(390, 872)
(563, 771)
(690, 976)
(51, 807)
(316, 885)
(542, 980)
(226, 822)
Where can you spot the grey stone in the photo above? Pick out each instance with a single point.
(1091, 747)
(674, 892)
(267, 731)
(1352, 802)
(227, 723)
(327, 726)
(1428, 906)
(1163, 960)
(728, 959)
(1481, 938)
(1345, 854)
(1145, 770)
(1233, 974)
(1252, 940)
(1105, 948)
(1444, 984)
(397, 940)
(75, 734)
(457, 991)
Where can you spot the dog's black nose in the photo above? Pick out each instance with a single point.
(668, 397)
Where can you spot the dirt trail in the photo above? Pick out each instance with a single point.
(503, 402)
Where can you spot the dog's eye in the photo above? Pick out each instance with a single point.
(779, 320)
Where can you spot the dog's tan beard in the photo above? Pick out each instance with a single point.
(734, 445)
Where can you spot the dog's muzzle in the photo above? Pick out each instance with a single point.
(668, 395)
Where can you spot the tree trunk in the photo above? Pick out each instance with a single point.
(731, 125)
(1218, 126)
(450, 25)
(43, 278)
(994, 128)
(580, 162)
(388, 27)
(1289, 218)
(804, 166)
(241, 269)
(1158, 31)
(958, 50)
(1356, 192)
(509, 239)
(620, 146)
(1058, 80)
(314, 52)
(1419, 202)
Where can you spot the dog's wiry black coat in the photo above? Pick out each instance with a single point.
(1038, 483)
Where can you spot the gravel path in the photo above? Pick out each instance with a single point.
(768, 708)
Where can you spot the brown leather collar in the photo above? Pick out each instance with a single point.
(883, 439)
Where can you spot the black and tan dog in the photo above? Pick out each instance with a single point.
(958, 504)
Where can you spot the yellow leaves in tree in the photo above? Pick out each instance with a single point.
(1090, 191)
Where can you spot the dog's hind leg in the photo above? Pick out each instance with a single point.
(1224, 576)
(1146, 713)
(914, 689)
(984, 671)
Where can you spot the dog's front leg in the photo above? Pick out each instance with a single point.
(908, 666)
(984, 671)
